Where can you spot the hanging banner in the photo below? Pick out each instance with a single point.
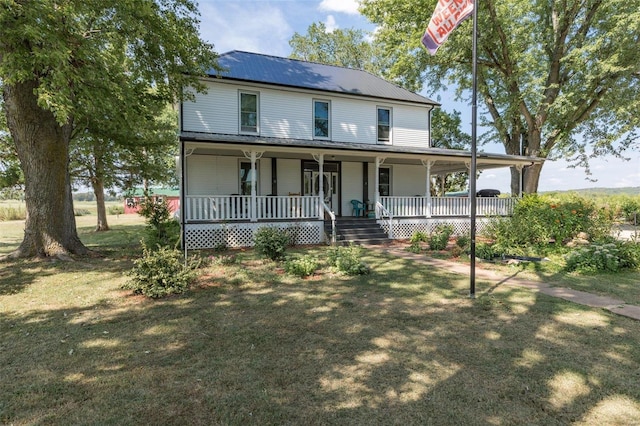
(447, 16)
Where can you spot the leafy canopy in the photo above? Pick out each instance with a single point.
(562, 76)
(85, 52)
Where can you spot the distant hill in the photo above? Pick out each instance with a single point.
(629, 190)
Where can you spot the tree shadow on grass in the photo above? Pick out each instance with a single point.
(404, 345)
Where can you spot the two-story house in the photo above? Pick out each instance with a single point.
(294, 144)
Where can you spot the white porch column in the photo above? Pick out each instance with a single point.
(376, 190)
(253, 156)
(427, 164)
(320, 159)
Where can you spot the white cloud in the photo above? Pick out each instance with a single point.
(229, 27)
(330, 24)
(349, 7)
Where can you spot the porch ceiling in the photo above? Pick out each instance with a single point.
(445, 160)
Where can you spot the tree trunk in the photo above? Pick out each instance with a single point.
(532, 178)
(98, 190)
(42, 145)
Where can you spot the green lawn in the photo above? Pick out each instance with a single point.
(252, 345)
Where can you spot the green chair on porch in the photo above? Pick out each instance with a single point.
(358, 208)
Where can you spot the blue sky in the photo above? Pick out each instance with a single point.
(266, 27)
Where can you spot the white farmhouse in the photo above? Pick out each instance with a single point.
(331, 152)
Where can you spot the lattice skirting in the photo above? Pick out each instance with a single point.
(211, 235)
(403, 229)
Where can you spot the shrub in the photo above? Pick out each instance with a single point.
(161, 272)
(301, 266)
(538, 220)
(81, 212)
(272, 242)
(611, 256)
(463, 241)
(629, 208)
(347, 259)
(115, 210)
(485, 251)
(418, 237)
(161, 230)
(440, 237)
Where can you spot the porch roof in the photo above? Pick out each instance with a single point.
(445, 160)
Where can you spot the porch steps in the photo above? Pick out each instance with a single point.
(358, 231)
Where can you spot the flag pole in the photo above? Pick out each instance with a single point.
(472, 171)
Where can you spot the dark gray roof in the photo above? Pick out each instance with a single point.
(266, 69)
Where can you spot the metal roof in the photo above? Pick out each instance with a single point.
(255, 67)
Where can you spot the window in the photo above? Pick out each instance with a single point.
(245, 178)
(384, 182)
(384, 125)
(248, 112)
(321, 115)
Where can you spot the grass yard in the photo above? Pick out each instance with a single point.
(252, 345)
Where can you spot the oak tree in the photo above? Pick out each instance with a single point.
(559, 78)
(60, 57)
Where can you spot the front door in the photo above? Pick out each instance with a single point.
(331, 182)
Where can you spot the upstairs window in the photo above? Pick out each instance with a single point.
(384, 125)
(248, 112)
(321, 116)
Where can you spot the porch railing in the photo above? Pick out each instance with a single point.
(447, 206)
(240, 208)
(386, 217)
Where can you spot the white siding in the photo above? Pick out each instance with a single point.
(410, 127)
(351, 185)
(208, 175)
(289, 174)
(408, 180)
(289, 114)
(353, 121)
(213, 112)
(285, 114)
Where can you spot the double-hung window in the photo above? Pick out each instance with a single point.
(321, 119)
(384, 125)
(249, 112)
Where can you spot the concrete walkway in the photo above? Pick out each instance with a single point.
(610, 304)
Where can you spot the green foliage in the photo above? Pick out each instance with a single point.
(81, 212)
(485, 251)
(162, 230)
(571, 69)
(347, 259)
(630, 209)
(272, 242)
(414, 247)
(539, 220)
(161, 272)
(463, 241)
(302, 266)
(607, 256)
(115, 210)
(440, 237)
(418, 237)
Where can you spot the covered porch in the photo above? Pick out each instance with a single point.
(232, 185)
